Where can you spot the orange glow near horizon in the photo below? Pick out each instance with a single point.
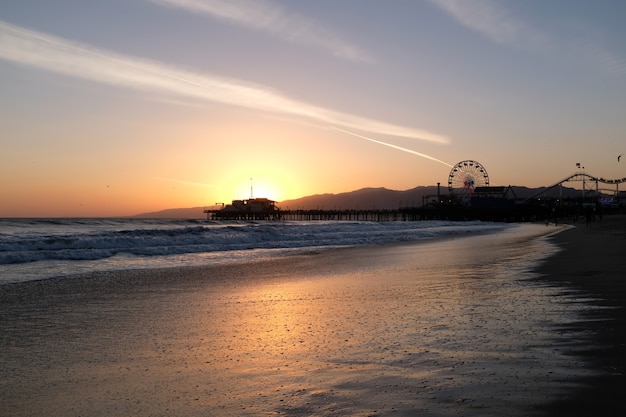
(269, 186)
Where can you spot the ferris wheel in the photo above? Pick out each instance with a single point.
(464, 177)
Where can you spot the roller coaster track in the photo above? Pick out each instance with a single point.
(582, 176)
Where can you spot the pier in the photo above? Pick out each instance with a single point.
(487, 203)
(346, 215)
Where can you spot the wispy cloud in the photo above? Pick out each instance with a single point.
(492, 20)
(70, 58)
(601, 56)
(271, 18)
(501, 25)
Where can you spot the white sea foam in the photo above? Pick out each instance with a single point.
(42, 248)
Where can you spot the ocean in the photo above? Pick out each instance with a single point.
(32, 249)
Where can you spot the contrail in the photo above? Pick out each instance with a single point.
(392, 146)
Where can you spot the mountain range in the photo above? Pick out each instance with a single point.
(365, 199)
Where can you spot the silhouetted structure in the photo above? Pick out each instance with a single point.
(251, 209)
(493, 197)
(488, 203)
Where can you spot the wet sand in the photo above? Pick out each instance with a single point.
(344, 332)
(593, 264)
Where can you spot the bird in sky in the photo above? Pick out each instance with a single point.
(619, 157)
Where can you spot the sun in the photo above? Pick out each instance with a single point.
(266, 191)
(260, 188)
(275, 183)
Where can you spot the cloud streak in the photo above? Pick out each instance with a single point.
(54, 54)
(501, 25)
(270, 18)
(490, 19)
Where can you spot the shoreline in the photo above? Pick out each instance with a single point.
(592, 264)
(85, 299)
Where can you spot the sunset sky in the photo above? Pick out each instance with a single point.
(118, 107)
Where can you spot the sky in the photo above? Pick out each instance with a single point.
(119, 107)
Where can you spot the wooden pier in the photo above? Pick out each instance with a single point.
(348, 215)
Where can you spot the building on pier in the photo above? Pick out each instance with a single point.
(251, 209)
(490, 197)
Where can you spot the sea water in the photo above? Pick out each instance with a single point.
(32, 249)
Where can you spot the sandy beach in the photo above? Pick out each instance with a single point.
(433, 329)
(593, 264)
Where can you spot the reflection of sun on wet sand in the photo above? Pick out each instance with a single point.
(444, 327)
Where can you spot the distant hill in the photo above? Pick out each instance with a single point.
(384, 199)
(177, 213)
(364, 199)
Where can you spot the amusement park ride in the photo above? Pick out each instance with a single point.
(467, 177)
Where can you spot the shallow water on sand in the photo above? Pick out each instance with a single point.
(449, 327)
